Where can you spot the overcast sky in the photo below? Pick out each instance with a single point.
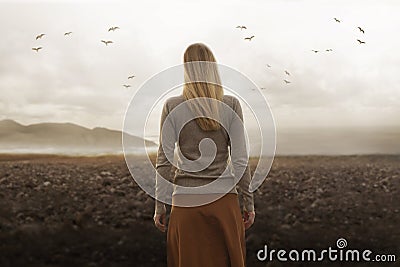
(78, 79)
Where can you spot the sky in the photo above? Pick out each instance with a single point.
(78, 79)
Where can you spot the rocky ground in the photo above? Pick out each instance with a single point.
(87, 211)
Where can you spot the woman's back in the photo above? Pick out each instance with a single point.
(204, 156)
(189, 144)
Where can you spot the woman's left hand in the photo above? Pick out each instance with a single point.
(160, 221)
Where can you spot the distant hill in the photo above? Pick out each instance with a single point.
(69, 138)
(64, 138)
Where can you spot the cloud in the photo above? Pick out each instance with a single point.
(79, 79)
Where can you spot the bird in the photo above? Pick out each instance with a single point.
(249, 38)
(287, 72)
(263, 88)
(67, 33)
(113, 28)
(315, 51)
(126, 85)
(241, 27)
(361, 42)
(286, 81)
(328, 50)
(269, 66)
(131, 77)
(107, 42)
(361, 30)
(337, 20)
(40, 36)
(37, 48)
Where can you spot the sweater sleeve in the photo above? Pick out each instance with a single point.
(167, 139)
(239, 157)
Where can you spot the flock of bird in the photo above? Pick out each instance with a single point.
(241, 27)
(106, 42)
(286, 81)
(128, 85)
(245, 28)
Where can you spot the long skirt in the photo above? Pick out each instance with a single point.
(211, 235)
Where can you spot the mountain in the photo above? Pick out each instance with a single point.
(64, 138)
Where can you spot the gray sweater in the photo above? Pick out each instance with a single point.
(227, 165)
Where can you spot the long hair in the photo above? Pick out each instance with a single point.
(202, 80)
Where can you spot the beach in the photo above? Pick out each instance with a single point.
(88, 211)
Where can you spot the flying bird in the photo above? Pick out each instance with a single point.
(107, 42)
(269, 66)
(241, 27)
(263, 88)
(113, 28)
(37, 48)
(40, 36)
(249, 38)
(361, 30)
(67, 33)
(328, 50)
(315, 51)
(287, 73)
(361, 42)
(131, 77)
(337, 20)
(126, 85)
(286, 81)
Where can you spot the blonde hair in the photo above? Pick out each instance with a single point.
(202, 80)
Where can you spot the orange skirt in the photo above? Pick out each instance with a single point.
(211, 235)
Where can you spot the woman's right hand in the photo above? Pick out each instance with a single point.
(248, 218)
(160, 221)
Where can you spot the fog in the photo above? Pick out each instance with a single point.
(78, 79)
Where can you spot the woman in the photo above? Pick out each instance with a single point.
(212, 234)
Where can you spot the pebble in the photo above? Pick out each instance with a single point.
(106, 182)
(120, 193)
(140, 193)
(133, 204)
